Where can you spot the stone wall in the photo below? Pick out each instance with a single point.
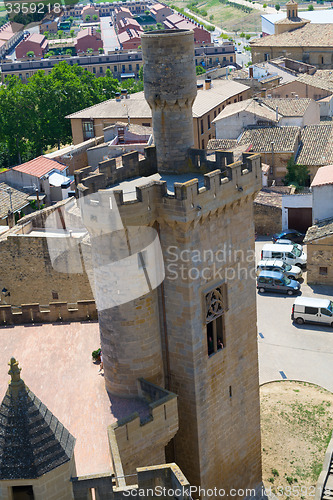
(55, 485)
(133, 442)
(319, 258)
(75, 157)
(267, 219)
(26, 268)
(27, 273)
(83, 310)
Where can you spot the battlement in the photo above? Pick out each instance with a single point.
(133, 441)
(83, 310)
(207, 180)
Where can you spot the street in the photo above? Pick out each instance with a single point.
(290, 351)
(109, 36)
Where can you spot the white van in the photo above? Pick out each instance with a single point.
(310, 310)
(288, 253)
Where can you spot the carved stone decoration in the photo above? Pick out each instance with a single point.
(215, 303)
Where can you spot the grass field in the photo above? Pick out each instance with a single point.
(226, 17)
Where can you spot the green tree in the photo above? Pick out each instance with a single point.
(141, 74)
(30, 53)
(90, 51)
(277, 7)
(95, 17)
(147, 12)
(200, 70)
(46, 34)
(265, 5)
(16, 119)
(71, 33)
(247, 37)
(101, 50)
(296, 174)
(310, 7)
(60, 33)
(87, 18)
(242, 35)
(71, 19)
(69, 52)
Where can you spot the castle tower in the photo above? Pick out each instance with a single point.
(36, 451)
(204, 313)
(168, 58)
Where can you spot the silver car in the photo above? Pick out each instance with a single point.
(291, 272)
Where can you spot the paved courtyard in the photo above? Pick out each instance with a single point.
(291, 351)
(57, 366)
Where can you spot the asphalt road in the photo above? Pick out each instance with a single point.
(291, 351)
(109, 36)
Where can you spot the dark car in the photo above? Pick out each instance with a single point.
(274, 281)
(289, 234)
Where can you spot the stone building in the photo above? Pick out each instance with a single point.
(319, 245)
(292, 21)
(189, 334)
(316, 148)
(276, 146)
(211, 99)
(311, 43)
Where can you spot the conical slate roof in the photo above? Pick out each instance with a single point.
(32, 440)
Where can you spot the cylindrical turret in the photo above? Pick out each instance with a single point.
(127, 266)
(170, 87)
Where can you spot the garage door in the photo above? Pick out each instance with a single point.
(299, 218)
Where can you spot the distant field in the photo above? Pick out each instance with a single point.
(226, 17)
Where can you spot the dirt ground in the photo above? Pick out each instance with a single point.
(296, 426)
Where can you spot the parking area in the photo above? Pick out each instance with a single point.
(290, 351)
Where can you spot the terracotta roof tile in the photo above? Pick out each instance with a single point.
(221, 144)
(285, 139)
(39, 166)
(316, 145)
(288, 107)
(323, 176)
(18, 199)
(319, 230)
(310, 35)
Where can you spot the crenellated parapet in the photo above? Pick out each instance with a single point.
(211, 184)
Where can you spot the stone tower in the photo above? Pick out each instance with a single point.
(292, 9)
(170, 89)
(196, 333)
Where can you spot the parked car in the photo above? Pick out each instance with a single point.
(288, 253)
(274, 281)
(291, 272)
(312, 310)
(289, 242)
(289, 234)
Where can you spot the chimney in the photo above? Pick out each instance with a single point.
(118, 97)
(208, 82)
(11, 219)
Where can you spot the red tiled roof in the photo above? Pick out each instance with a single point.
(35, 37)
(39, 166)
(323, 176)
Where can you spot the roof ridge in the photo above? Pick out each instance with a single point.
(32, 440)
